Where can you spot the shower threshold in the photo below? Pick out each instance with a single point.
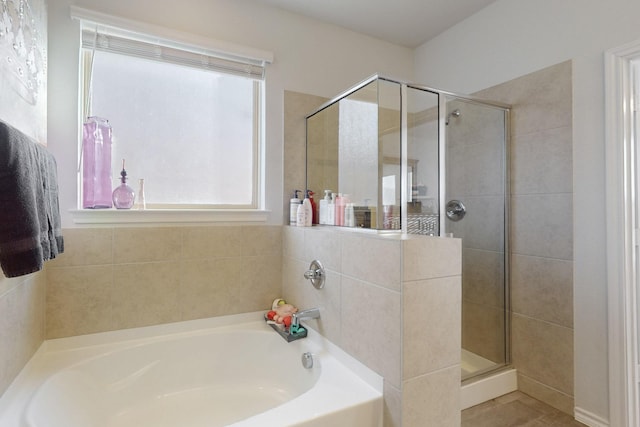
(488, 386)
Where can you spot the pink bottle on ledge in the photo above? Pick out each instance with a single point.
(96, 164)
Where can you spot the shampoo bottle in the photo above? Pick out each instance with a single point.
(308, 211)
(304, 213)
(324, 206)
(300, 217)
(294, 203)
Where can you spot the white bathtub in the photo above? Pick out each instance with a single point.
(228, 371)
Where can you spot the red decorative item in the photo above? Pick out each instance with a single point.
(314, 208)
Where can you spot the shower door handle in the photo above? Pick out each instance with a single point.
(455, 210)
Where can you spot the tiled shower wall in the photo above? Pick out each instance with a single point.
(393, 303)
(542, 231)
(22, 328)
(116, 278)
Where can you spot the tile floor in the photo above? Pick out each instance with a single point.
(516, 410)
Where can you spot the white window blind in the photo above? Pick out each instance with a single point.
(116, 34)
(105, 40)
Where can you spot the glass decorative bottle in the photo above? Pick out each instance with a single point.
(123, 195)
(96, 164)
(141, 204)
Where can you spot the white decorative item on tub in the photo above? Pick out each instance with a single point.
(228, 371)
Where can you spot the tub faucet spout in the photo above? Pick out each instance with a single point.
(312, 313)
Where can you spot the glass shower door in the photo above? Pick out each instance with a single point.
(476, 210)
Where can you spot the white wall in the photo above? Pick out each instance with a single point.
(310, 57)
(511, 38)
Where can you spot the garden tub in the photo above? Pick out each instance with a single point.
(227, 371)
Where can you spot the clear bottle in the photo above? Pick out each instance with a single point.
(345, 203)
(339, 217)
(96, 164)
(331, 210)
(141, 203)
(349, 216)
(123, 195)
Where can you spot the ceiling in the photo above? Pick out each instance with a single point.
(404, 22)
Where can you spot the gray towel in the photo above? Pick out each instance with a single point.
(30, 231)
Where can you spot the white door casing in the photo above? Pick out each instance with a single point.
(622, 226)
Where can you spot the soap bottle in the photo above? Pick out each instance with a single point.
(123, 196)
(324, 204)
(294, 203)
(331, 210)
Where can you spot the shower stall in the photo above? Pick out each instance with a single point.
(406, 158)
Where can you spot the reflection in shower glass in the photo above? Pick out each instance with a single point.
(387, 145)
(422, 162)
(349, 144)
(358, 149)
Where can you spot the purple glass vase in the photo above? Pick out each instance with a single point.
(96, 164)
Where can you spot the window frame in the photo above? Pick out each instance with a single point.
(162, 213)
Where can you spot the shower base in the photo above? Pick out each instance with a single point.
(472, 364)
(487, 385)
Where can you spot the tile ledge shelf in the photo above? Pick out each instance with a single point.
(167, 216)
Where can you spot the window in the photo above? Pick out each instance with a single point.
(187, 121)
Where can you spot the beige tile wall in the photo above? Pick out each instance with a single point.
(542, 231)
(115, 278)
(432, 302)
(393, 304)
(22, 302)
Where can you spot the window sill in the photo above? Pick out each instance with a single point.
(166, 216)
